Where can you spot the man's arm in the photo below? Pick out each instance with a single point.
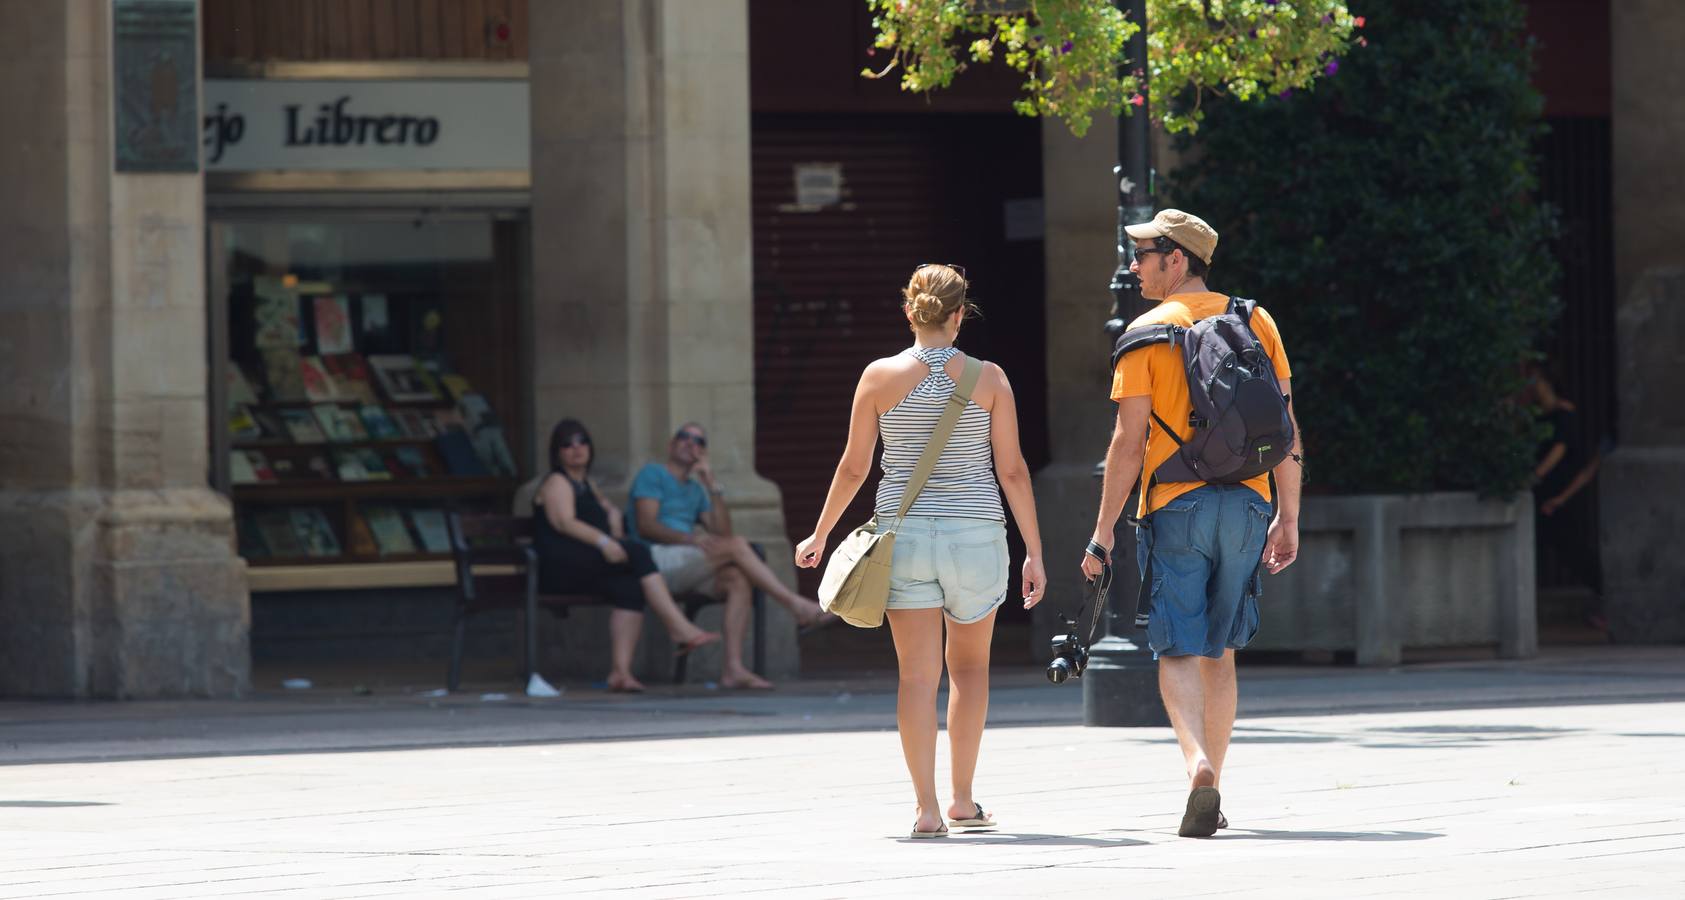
(1123, 468)
(650, 527)
(1282, 547)
(717, 518)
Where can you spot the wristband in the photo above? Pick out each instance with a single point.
(602, 541)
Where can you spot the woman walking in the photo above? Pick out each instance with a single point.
(582, 547)
(950, 557)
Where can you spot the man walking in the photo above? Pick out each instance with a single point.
(669, 501)
(1201, 542)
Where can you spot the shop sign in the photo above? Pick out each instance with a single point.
(289, 125)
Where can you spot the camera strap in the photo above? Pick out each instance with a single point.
(1095, 592)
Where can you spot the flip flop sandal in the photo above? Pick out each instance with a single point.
(938, 833)
(1200, 819)
(980, 820)
(1222, 821)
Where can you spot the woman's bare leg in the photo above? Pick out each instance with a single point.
(624, 626)
(968, 705)
(685, 633)
(918, 647)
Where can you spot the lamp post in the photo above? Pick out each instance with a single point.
(1120, 686)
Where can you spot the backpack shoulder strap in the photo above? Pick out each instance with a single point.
(1243, 308)
(1145, 336)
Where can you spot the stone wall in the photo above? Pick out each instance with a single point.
(643, 310)
(117, 571)
(1644, 479)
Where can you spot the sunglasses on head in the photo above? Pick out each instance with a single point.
(955, 266)
(691, 436)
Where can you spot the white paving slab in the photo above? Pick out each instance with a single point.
(1525, 802)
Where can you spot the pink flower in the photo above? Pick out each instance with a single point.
(1138, 100)
(1358, 21)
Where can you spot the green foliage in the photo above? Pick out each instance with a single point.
(1073, 51)
(1388, 221)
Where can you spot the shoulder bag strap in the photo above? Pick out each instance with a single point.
(957, 402)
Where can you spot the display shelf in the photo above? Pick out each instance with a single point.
(443, 488)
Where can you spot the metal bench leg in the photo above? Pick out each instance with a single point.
(454, 677)
(760, 633)
(760, 621)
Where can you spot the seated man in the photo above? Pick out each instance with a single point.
(669, 501)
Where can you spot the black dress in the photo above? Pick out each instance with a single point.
(567, 565)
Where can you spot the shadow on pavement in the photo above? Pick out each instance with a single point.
(48, 804)
(1253, 834)
(1013, 837)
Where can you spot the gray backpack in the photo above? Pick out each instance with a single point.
(1240, 421)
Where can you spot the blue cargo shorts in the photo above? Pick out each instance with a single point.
(1205, 547)
(956, 565)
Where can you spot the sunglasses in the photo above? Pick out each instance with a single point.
(955, 266)
(691, 436)
(578, 440)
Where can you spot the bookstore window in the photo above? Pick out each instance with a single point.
(371, 381)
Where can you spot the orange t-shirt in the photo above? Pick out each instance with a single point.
(1157, 372)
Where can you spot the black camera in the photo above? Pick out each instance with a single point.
(1070, 656)
(1070, 650)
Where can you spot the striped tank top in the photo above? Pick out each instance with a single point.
(962, 485)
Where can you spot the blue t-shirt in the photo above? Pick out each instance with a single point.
(682, 505)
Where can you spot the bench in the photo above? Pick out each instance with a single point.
(497, 568)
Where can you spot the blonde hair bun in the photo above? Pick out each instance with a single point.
(934, 293)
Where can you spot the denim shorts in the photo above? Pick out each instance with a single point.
(1206, 546)
(956, 565)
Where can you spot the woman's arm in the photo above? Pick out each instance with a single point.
(1014, 476)
(1581, 479)
(852, 469)
(558, 505)
(616, 519)
(1552, 457)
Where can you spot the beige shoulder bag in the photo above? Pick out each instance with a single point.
(856, 581)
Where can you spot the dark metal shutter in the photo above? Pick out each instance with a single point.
(827, 281)
(1575, 171)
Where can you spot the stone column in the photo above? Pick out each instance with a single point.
(1644, 479)
(1081, 248)
(642, 286)
(118, 576)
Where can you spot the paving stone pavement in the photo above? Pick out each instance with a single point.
(1507, 801)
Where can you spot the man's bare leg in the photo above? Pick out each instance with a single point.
(739, 606)
(736, 551)
(1217, 678)
(1184, 698)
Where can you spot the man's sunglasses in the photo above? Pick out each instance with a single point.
(691, 436)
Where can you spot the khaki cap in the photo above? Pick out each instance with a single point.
(1186, 229)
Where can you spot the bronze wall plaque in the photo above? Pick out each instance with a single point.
(156, 85)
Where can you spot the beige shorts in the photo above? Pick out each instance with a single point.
(685, 568)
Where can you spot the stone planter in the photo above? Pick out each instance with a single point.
(1375, 574)
(1378, 573)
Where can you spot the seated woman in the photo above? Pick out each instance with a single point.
(582, 549)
